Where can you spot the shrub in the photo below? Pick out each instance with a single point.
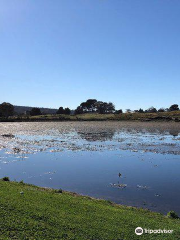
(172, 214)
(35, 111)
(6, 179)
(58, 191)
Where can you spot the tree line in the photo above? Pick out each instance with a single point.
(90, 106)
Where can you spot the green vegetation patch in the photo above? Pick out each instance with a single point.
(30, 212)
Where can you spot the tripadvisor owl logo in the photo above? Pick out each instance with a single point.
(138, 231)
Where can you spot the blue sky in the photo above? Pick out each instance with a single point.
(61, 52)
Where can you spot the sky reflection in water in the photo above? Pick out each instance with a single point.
(89, 163)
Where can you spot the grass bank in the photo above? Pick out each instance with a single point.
(160, 116)
(30, 212)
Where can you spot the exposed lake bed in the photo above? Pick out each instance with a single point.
(131, 163)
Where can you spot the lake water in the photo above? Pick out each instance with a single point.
(131, 163)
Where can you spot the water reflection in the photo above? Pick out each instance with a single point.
(135, 164)
(97, 136)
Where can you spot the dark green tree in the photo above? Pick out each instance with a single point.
(104, 107)
(140, 110)
(151, 110)
(6, 110)
(79, 110)
(161, 110)
(35, 111)
(119, 111)
(89, 105)
(92, 105)
(67, 111)
(174, 107)
(60, 110)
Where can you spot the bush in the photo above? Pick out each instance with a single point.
(6, 179)
(58, 191)
(172, 214)
(35, 111)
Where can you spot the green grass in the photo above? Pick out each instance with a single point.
(46, 214)
(165, 116)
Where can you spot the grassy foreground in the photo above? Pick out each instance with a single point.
(40, 213)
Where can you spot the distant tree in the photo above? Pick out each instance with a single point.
(110, 107)
(128, 110)
(101, 107)
(104, 107)
(174, 107)
(92, 105)
(35, 111)
(119, 111)
(151, 110)
(89, 105)
(78, 110)
(6, 109)
(67, 111)
(60, 110)
(161, 110)
(141, 110)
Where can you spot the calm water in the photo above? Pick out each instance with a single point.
(135, 164)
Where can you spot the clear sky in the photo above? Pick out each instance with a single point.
(62, 52)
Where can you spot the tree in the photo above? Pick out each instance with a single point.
(78, 110)
(119, 111)
(35, 111)
(110, 108)
(104, 107)
(151, 110)
(89, 105)
(60, 110)
(128, 110)
(161, 110)
(67, 111)
(92, 105)
(101, 107)
(6, 109)
(174, 107)
(141, 110)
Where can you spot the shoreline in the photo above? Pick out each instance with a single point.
(173, 116)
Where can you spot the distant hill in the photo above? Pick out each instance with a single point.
(23, 109)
